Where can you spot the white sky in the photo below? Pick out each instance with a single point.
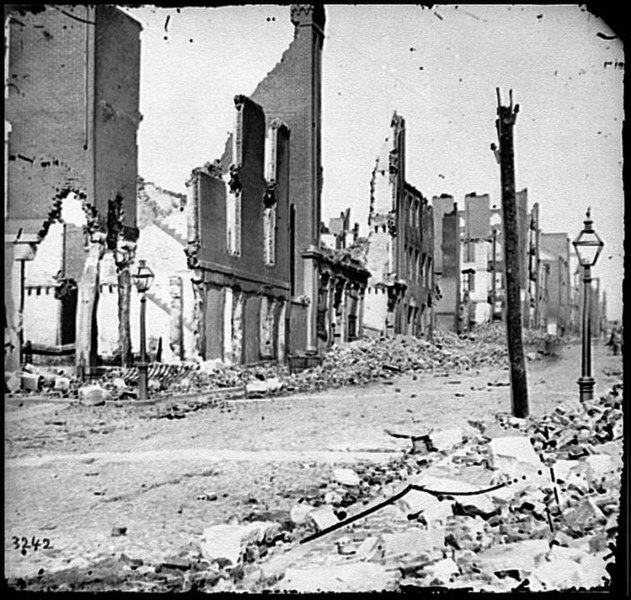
(439, 68)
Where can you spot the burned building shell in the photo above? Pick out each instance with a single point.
(400, 293)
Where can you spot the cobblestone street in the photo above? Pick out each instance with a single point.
(73, 473)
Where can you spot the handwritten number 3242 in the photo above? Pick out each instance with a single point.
(35, 543)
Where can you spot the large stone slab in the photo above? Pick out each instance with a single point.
(346, 476)
(515, 447)
(323, 516)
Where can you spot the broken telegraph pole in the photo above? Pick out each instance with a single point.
(504, 124)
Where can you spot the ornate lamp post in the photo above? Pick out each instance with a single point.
(143, 278)
(588, 247)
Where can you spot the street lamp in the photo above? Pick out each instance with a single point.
(143, 278)
(588, 248)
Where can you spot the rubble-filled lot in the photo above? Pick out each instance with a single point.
(356, 363)
(548, 521)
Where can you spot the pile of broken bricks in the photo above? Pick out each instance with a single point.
(366, 360)
(356, 363)
(516, 504)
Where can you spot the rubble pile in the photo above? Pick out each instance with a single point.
(365, 360)
(496, 333)
(217, 375)
(515, 504)
(356, 363)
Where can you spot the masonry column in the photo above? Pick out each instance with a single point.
(176, 341)
(310, 278)
(280, 352)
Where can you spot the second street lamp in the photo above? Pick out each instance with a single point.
(143, 278)
(588, 246)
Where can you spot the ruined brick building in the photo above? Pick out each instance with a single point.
(263, 285)
(71, 97)
(401, 291)
(494, 217)
(470, 266)
(237, 235)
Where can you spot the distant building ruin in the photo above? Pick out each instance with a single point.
(401, 292)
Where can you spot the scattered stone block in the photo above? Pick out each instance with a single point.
(446, 439)
(118, 383)
(92, 395)
(600, 465)
(298, 514)
(443, 570)
(368, 548)
(257, 388)
(515, 447)
(322, 517)
(431, 507)
(479, 505)
(62, 384)
(31, 382)
(12, 382)
(346, 476)
(585, 515)
(332, 497)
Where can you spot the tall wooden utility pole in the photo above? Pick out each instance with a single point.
(519, 387)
